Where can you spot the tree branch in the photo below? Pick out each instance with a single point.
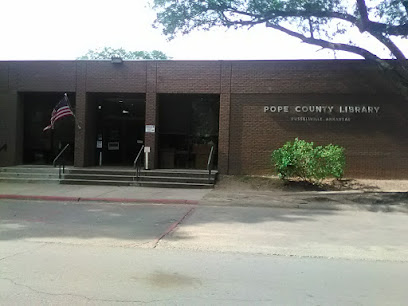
(364, 24)
(397, 73)
(362, 10)
(365, 21)
(311, 28)
(297, 13)
(370, 26)
(390, 45)
(405, 4)
(325, 44)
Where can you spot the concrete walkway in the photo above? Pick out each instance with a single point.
(372, 201)
(54, 192)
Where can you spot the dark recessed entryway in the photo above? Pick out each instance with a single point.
(119, 122)
(188, 128)
(41, 147)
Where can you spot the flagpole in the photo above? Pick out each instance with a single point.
(69, 104)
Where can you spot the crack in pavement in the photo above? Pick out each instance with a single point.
(174, 226)
(124, 301)
(23, 252)
(77, 295)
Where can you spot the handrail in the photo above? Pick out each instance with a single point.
(61, 153)
(137, 157)
(136, 163)
(3, 147)
(209, 163)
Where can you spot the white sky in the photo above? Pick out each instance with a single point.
(65, 30)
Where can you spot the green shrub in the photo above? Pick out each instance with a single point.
(301, 160)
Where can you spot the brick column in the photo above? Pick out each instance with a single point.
(80, 113)
(224, 119)
(11, 128)
(11, 116)
(151, 139)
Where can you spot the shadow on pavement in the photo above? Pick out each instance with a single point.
(47, 220)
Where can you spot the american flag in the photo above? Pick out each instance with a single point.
(62, 109)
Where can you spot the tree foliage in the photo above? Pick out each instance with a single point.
(108, 53)
(323, 23)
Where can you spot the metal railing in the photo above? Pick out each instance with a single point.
(62, 163)
(210, 163)
(137, 164)
(3, 147)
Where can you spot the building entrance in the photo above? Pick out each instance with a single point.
(188, 128)
(41, 147)
(119, 134)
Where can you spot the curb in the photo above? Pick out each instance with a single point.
(312, 206)
(324, 192)
(85, 199)
(348, 192)
(204, 202)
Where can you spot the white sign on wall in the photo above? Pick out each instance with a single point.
(150, 128)
(113, 146)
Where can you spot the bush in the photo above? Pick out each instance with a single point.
(300, 159)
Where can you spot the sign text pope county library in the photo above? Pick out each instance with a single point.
(322, 109)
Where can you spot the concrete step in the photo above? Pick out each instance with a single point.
(197, 174)
(132, 172)
(79, 171)
(98, 177)
(179, 179)
(28, 175)
(30, 180)
(29, 170)
(162, 184)
(142, 184)
(174, 185)
(95, 182)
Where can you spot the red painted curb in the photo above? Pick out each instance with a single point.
(78, 199)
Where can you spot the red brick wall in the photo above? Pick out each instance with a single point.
(224, 118)
(44, 76)
(152, 114)
(376, 147)
(188, 77)
(375, 144)
(330, 76)
(103, 76)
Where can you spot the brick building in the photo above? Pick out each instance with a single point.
(179, 109)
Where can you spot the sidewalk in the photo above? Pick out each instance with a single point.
(379, 200)
(57, 192)
(325, 200)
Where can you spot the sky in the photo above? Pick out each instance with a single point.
(65, 30)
